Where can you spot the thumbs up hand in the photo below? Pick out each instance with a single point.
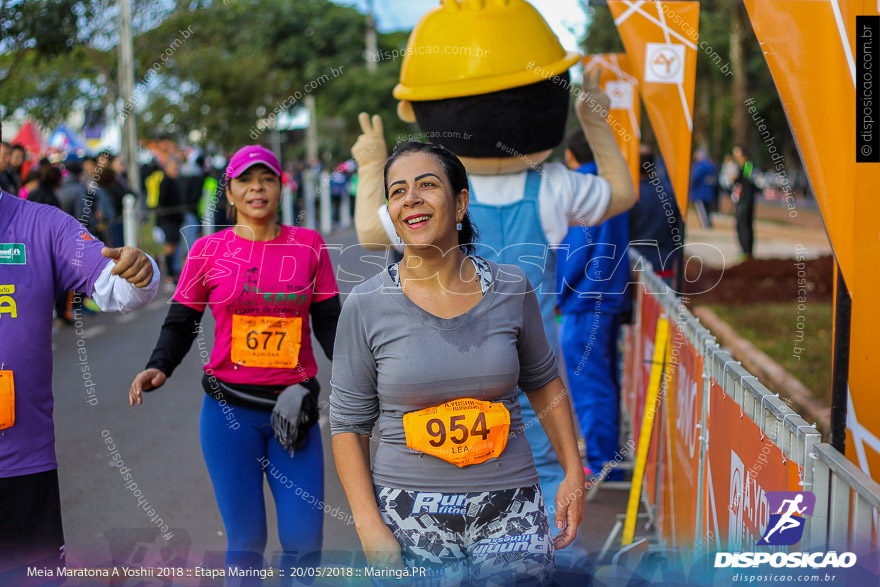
(132, 264)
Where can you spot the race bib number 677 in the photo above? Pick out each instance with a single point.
(266, 341)
(462, 432)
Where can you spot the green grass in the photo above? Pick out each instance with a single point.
(772, 327)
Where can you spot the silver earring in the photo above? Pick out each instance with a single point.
(399, 240)
(458, 226)
(232, 204)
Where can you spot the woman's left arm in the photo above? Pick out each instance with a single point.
(552, 406)
(539, 378)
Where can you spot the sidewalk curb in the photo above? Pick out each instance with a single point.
(768, 371)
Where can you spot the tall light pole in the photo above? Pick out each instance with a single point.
(126, 91)
(372, 49)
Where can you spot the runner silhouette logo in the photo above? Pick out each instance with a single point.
(786, 526)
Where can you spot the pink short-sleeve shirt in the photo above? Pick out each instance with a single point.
(259, 294)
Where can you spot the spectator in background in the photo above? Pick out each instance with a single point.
(192, 178)
(338, 189)
(703, 187)
(17, 159)
(728, 174)
(592, 277)
(170, 215)
(7, 180)
(72, 189)
(46, 191)
(120, 168)
(743, 195)
(112, 192)
(656, 235)
(91, 208)
(212, 206)
(31, 182)
(89, 167)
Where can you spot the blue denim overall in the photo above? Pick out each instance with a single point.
(512, 234)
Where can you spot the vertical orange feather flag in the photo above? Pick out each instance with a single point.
(661, 41)
(620, 83)
(812, 50)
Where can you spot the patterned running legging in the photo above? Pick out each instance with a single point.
(474, 539)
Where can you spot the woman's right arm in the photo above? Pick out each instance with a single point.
(354, 409)
(182, 325)
(351, 453)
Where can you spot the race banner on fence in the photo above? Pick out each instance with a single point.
(742, 465)
(681, 426)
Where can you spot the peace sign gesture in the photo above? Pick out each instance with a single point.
(592, 103)
(370, 146)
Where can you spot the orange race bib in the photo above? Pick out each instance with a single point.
(7, 400)
(462, 432)
(266, 341)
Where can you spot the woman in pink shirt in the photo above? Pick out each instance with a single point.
(268, 286)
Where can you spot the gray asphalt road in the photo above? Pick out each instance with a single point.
(104, 516)
(107, 518)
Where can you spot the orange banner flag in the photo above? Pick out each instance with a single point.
(812, 50)
(619, 81)
(661, 40)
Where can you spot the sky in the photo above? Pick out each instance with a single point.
(565, 17)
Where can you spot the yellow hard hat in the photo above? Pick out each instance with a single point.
(472, 47)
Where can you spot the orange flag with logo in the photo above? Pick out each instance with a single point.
(812, 50)
(661, 40)
(619, 81)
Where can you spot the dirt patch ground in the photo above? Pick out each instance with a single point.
(760, 280)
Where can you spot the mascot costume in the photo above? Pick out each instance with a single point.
(489, 80)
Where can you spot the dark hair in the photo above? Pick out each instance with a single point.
(50, 176)
(74, 167)
(33, 175)
(105, 176)
(17, 147)
(458, 179)
(576, 142)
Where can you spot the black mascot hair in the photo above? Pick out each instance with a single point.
(513, 122)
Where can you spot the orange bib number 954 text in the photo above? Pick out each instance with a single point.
(462, 432)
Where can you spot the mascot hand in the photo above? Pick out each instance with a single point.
(592, 104)
(370, 149)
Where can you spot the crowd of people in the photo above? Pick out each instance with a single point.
(740, 182)
(502, 472)
(273, 393)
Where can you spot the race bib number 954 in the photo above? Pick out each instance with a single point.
(266, 341)
(462, 432)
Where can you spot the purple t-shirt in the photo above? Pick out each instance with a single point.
(43, 251)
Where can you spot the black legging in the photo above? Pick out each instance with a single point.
(744, 211)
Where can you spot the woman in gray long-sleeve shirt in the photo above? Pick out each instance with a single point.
(432, 350)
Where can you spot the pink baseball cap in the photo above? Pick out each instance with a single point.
(251, 155)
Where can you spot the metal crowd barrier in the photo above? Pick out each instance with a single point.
(847, 500)
(852, 506)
